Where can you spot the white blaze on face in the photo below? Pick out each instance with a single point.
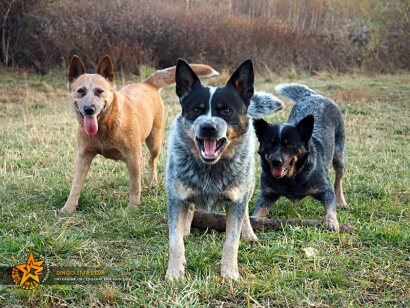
(210, 144)
(211, 94)
(281, 126)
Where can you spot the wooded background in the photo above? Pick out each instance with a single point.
(310, 35)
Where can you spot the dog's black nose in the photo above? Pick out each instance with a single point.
(276, 161)
(208, 129)
(89, 110)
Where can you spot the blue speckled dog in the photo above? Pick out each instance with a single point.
(211, 159)
(296, 156)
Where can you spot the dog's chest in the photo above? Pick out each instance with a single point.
(109, 150)
(210, 201)
(203, 183)
(294, 192)
(294, 195)
(209, 190)
(112, 153)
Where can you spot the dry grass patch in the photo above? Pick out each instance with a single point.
(369, 267)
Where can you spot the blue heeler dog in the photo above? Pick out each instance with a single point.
(211, 159)
(296, 156)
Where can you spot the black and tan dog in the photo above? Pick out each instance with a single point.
(115, 124)
(296, 156)
(210, 159)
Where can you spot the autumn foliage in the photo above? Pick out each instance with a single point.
(278, 35)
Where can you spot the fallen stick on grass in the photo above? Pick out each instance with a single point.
(217, 222)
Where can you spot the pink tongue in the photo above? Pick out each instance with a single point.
(278, 172)
(210, 147)
(90, 125)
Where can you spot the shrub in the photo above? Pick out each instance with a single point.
(45, 34)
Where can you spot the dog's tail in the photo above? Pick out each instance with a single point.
(263, 104)
(166, 76)
(294, 91)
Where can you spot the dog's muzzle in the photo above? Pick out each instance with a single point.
(277, 167)
(90, 116)
(211, 140)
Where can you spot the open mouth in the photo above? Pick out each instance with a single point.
(210, 148)
(280, 172)
(90, 122)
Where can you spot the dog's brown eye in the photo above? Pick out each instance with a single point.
(98, 92)
(81, 91)
(287, 143)
(226, 111)
(196, 110)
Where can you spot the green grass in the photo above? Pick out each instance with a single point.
(369, 267)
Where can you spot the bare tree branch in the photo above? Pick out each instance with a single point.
(217, 222)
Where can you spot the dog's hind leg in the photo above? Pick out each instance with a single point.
(153, 142)
(339, 171)
(339, 164)
(177, 215)
(134, 170)
(247, 232)
(188, 219)
(81, 167)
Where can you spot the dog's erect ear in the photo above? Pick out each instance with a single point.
(242, 81)
(76, 68)
(106, 69)
(260, 126)
(305, 127)
(185, 78)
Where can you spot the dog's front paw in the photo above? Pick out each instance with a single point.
(342, 205)
(68, 208)
(261, 212)
(175, 272)
(230, 272)
(331, 223)
(187, 229)
(249, 237)
(132, 206)
(153, 182)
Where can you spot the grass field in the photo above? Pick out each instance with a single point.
(369, 267)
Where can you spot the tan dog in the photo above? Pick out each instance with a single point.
(116, 123)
